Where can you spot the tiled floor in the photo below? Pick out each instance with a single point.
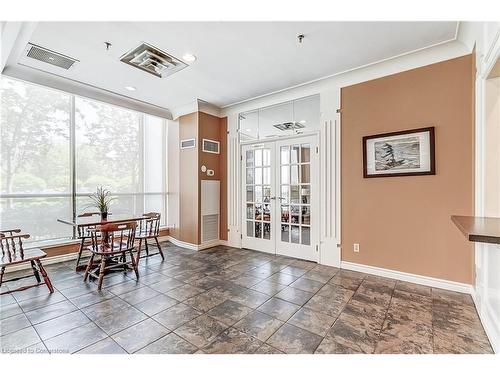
(226, 300)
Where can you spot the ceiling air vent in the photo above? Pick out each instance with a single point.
(50, 57)
(289, 126)
(153, 60)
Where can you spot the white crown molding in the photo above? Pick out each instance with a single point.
(409, 277)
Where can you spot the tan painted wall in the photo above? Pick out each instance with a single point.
(200, 125)
(403, 223)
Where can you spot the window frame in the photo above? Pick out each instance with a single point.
(73, 194)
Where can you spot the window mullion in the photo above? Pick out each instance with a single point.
(72, 137)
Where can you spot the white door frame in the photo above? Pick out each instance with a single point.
(271, 246)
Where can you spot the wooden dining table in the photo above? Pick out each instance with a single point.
(90, 221)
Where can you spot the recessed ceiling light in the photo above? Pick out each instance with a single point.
(189, 57)
(130, 88)
(302, 121)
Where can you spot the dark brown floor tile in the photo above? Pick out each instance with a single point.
(330, 300)
(10, 310)
(246, 281)
(106, 346)
(184, 292)
(250, 298)
(232, 341)
(348, 337)
(268, 287)
(18, 340)
(229, 312)
(165, 286)
(76, 339)
(169, 344)
(413, 288)
(13, 323)
(445, 343)
(91, 298)
(279, 309)
(139, 295)
(294, 271)
(268, 349)
(282, 278)
(120, 319)
(105, 308)
(293, 340)
(318, 276)
(404, 333)
(347, 279)
(201, 330)
(51, 311)
(140, 335)
(42, 301)
(206, 301)
(307, 285)
(296, 296)
(312, 321)
(61, 324)
(258, 325)
(176, 316)
(156, 304)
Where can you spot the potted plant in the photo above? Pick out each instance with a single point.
(101, 200)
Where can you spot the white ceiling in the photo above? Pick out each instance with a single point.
(236, 60)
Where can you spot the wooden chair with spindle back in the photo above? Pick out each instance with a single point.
(84, 235)
(112, 242)
(148, 229)
(14, 253)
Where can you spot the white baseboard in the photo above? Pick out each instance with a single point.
(410, 277)
(196, 247)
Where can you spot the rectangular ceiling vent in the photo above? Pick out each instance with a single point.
(289, 126)
(50, 57)
(153, 60)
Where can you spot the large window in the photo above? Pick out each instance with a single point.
(43, 131)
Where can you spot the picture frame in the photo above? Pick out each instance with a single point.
(402, 153)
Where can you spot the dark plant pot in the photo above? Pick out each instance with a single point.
(104, 216)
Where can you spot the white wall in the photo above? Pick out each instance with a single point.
(173, 174)
(329, 90)
(485, 38)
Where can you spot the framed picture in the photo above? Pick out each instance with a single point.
(403, 153)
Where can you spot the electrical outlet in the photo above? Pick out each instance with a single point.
(355, 247)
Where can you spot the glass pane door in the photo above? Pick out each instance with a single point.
(298, 197)
(258, 206)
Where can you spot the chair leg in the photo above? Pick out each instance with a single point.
(159, 248)
(80, 251)
(134, 265)
(101, 273)
(124, 260)
(45, 276)
(89, 266)
(35, 272)
(147, 249)
(139, 252)
(2, 271)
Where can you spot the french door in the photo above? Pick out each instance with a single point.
(280, 197)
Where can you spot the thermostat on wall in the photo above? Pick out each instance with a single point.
(203, 168)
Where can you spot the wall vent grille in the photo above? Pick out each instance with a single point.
(210, 146)
(210, 228)
(188, 143)
(50, 57)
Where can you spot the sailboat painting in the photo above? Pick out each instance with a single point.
(404, 153)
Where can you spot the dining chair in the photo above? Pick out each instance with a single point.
(14, 253)
(112, 243)
(149, 228)
(84, 235)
